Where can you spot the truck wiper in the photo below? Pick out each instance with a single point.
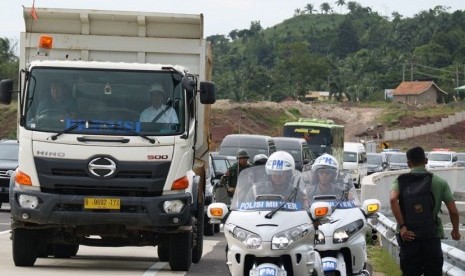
(132, 131)
(291, 198)
(112, 126)
(76, 125)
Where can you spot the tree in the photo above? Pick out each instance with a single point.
(9, 63)
(255, 28)
(340, 3)
(309, 8)
(352, 6)
(7, 50)
(325, 7)
(347, 40)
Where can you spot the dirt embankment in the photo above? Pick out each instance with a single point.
(267, 118)
(360, 122)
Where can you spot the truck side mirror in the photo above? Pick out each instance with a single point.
(6, 91)
(207, 92)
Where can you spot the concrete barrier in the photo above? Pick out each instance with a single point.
(401, 134)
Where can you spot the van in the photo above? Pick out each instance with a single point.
(355, 161)
(299, 149)
(441, 159)
(253, 143)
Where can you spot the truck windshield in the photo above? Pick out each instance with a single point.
(138, 102)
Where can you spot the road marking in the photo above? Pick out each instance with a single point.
(162, 268)
(157, 269)
(5, 232)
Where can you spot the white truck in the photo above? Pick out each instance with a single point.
(91, 172)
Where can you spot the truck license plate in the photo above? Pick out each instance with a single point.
(102, 203)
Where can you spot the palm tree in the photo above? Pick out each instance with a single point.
(309, 8)
(352, 6)
(325, 7)
(297, 12)
(340, 3)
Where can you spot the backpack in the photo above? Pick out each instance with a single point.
(417, 203)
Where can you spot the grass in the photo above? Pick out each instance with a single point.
(382, 261)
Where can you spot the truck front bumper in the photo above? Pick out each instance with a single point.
(69, 211)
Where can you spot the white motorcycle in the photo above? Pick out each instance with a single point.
(269, 233)
(341, 241)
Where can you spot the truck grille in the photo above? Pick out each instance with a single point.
(141, 179)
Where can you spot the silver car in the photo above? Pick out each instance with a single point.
(9, 150)
(377, 162)
(397, 161)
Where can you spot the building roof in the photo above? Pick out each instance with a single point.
(415, 88)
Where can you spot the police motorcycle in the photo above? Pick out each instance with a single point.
(270, 228)
(341, 241)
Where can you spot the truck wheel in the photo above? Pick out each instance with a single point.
(163, 252)
(208, 229)
(65, 251)
(217, 228)
(25, 247)
(197, 247)
(45, 250)
(180, 248)
(75, 250)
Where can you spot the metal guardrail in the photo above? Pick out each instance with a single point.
(454, 258)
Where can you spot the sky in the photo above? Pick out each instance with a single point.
(220, 16)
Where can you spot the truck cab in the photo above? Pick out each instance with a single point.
(92, 170)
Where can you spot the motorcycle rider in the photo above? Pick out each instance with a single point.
(260, 159)
(326, 179)
(281, 177)
(229, 179)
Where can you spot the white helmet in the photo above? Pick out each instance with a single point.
(260, 159)
(280, 162)
(326, 161)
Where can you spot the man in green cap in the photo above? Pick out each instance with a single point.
(229, 179)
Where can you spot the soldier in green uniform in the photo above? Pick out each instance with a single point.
(229, 179)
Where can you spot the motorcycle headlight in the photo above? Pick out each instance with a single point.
(283, 239)
(250, 239)
(319, 237)
(342, 234)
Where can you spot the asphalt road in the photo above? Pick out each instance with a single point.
(141, 261)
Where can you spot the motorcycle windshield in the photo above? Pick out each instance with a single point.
(256, 190)
(341, 195)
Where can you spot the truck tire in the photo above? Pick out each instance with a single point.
(208, 229)
(45, 250)
(25, 247)
(163, 252)
(198, 230)
(65, 251)
(217, 228)
(180, 248)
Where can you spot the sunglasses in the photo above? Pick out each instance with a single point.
(325, 171)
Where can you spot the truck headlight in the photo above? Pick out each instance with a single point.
(283, 239)
(319, 237)
(28, 201)
(342, 234)
(173, 206)
(250, 239)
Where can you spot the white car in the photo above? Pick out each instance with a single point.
(441, 159)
